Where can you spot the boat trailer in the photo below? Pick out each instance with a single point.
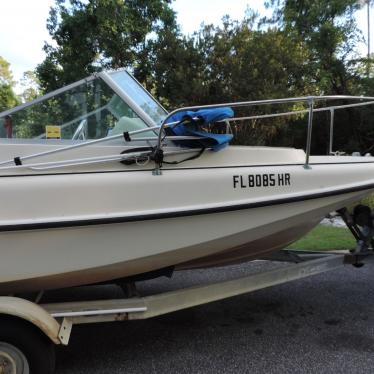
(30, 329)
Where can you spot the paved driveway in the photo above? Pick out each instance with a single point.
(322, 324)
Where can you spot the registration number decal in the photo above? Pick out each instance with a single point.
(261, 180)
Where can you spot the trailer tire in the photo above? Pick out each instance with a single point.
(31, 344)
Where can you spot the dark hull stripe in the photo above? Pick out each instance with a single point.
(189, 213)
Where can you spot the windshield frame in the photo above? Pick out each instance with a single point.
(47, 96)
(105, 76)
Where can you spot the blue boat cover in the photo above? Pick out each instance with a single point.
(189, 124)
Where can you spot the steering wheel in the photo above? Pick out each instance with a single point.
(81, 131)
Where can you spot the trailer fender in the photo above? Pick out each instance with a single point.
(33, 313)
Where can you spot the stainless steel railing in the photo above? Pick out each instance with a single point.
(310, 100)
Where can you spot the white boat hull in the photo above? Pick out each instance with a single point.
(80, 227)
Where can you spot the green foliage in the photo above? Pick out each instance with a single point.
(369, 201)
(233, 62)
(93, 34)
(30, 85)
(328, 31)
(174, 58)
(324, 238)
(8, 98)
(307, 48)
(6, 77)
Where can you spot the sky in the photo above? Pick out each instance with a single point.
(23, 25)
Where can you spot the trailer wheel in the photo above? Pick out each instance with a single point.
(24, 349)
(12, 360)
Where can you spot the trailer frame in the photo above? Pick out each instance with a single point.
(56, 320)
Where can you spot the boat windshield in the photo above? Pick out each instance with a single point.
(96, 107)
(138, 94)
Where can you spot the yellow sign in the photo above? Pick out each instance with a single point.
(53, 132)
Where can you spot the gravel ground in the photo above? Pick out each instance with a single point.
(321, 324)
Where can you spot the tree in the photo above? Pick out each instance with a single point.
(307, 48)
(176, 69)
(243, 64)
(30, 85)
(95, 34)
(328, 31)
(8, 98)
(228, 63)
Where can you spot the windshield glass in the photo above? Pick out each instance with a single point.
(89, 110)
(138, 94)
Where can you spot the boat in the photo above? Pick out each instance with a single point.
(99, 183)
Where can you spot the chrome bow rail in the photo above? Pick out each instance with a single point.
(310, 100)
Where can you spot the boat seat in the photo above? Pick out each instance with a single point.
(130, 124)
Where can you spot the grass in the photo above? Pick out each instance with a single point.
(369, 201)
(326, 238)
